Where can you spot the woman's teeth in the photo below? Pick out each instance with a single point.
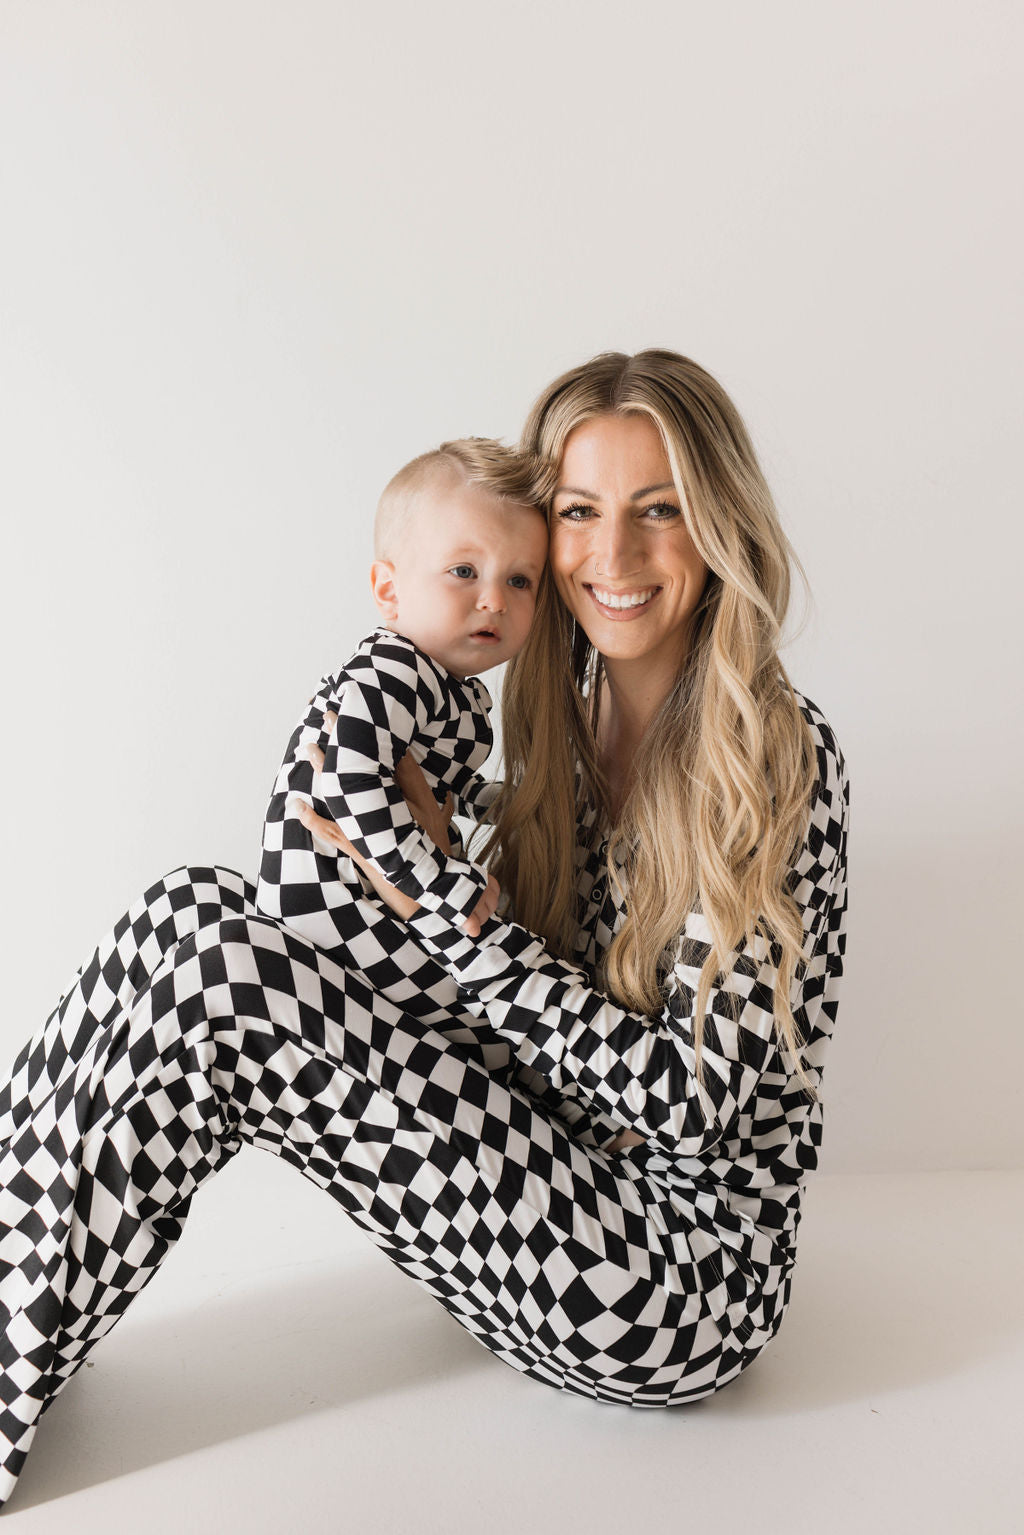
(623, 600)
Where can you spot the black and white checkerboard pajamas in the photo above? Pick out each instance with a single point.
(389, 698)
(649, 1277)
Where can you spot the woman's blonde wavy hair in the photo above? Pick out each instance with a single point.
(719, 799)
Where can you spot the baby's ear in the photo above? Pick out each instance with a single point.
(385, 592)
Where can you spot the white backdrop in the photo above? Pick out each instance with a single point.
(255, 256)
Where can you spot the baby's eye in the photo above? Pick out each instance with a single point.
(521, 583)
(463, 572)
(577, 512)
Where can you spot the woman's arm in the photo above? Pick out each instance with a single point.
(641, 1070)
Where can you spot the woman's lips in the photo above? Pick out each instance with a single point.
(622, 614)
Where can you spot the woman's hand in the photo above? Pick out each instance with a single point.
(425, 811)
(484, 908)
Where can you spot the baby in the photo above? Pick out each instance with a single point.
(460, 546)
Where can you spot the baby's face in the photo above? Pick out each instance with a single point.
(465, 577)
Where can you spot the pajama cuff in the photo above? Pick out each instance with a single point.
(440, 938)
(501, 948)
(452, 892)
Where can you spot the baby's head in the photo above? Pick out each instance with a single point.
(460, 544)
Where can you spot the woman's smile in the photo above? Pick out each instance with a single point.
(622, 605)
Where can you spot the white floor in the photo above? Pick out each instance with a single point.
(279, 1374)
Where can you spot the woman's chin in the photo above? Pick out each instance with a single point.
(627, 644)
(611, 633)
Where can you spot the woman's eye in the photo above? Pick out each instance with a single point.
(521, 583)
(578, 512)
(463, 572)
(662, 511)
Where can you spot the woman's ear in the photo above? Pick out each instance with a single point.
(385, 592)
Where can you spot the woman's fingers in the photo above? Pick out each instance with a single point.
(319, 826)
(315, 753)
(484, 908)
(491, 896)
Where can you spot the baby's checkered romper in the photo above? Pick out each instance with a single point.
(389, 698)
(648, 1277)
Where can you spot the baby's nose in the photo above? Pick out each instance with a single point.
(492, 597)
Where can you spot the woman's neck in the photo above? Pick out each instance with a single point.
(631, 695)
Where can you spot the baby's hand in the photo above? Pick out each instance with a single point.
(484, 908)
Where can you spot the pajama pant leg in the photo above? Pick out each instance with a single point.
(377, 949)
(245, 1032)
(114, 975)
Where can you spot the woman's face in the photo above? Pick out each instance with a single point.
(622, 560)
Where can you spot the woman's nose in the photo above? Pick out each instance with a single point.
(616, 549)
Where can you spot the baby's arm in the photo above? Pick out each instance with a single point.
(382, 707)
(434, 820)
(473, 798)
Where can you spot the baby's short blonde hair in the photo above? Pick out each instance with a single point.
(506, 473)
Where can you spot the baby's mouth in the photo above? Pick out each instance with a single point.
(485, 634)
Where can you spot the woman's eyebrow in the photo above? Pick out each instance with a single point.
(589, 495)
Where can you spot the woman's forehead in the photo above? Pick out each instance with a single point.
(624, 453)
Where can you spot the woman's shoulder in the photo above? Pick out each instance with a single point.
(828, 826)
(832, 770)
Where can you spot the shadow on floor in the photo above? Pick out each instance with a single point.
(237, 1365)
(900, 1281)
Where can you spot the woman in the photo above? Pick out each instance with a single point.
(672, 838)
